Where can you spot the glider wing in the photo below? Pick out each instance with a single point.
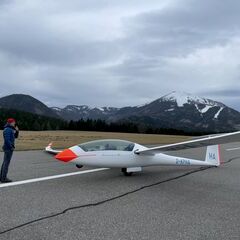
(202, 142)
(49, 149)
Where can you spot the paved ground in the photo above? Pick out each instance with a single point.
(160, 203)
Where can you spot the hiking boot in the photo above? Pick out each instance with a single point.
(7, 180)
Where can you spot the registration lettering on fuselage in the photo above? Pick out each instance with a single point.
(183, 162)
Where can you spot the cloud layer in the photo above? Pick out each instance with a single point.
(119, 52)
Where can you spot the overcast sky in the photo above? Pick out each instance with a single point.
(118, 53)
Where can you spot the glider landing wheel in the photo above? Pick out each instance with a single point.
(79, 166)
(127, 174)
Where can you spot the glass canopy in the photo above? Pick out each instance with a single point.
(107, 145)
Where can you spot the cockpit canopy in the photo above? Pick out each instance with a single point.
(107, 145)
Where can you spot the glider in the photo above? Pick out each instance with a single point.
(132, 157)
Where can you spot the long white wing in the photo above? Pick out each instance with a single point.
(49, 149)
(202, 142)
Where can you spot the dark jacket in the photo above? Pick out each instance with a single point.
(9, 135)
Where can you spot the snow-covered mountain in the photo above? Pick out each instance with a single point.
(177, 110)
(74, 112)
(182, 98)
(203, 105)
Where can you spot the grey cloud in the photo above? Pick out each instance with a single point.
(119, 52)
(181, 29)
(35, 42)
(226, 93)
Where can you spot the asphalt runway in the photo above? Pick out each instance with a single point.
(159, 203)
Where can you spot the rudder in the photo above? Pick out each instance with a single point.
(213, 155)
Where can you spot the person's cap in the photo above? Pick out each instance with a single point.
(11, 120)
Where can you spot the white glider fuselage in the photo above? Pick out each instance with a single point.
(130, 159)
(116, 159)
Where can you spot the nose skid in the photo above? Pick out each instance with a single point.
(66, 155)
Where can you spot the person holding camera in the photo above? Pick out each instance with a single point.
(10, 132)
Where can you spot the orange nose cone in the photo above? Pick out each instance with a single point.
(66, 155)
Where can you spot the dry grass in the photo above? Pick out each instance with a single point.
(29, 140)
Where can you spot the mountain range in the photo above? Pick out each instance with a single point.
(176, 110)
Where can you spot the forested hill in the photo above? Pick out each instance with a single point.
(26, 103)
(34, 122)
(30, 121)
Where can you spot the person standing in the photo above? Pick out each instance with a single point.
(10, 132)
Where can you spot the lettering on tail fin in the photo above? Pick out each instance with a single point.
(212, 156)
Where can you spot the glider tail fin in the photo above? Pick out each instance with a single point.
(213, 156)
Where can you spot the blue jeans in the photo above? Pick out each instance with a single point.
(6, 161)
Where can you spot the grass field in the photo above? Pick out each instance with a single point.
(29, 140)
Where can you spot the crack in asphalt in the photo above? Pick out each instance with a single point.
(113, 198)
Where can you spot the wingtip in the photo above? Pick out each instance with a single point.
(49, 146)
